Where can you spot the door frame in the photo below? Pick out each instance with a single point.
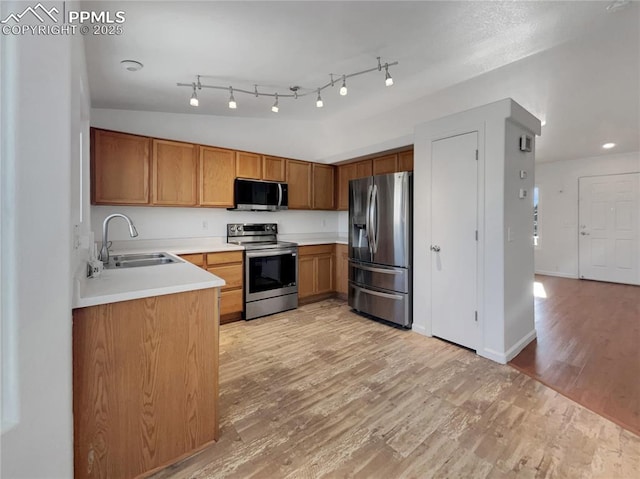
(479, 335)
(426, 235)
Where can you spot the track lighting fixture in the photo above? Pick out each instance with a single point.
(232, 101)
(343, 88)
(295, 92)
(194, 97)
(388, 81)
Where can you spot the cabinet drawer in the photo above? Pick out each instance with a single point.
(224, 257)
(316, 249)
(197, 259)
(232, 274)
(230, 301)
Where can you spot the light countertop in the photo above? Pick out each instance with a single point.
(114, 285)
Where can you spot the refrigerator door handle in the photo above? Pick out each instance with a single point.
(374, 215)
(378, 293)
(376, 270)
(368, 221)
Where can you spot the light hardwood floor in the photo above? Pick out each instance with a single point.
(321, 392)
(588, 346)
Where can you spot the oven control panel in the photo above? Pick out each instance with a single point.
(251, 229)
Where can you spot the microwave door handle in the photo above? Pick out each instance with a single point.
(279, 195)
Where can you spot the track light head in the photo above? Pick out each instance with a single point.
(275, 108)
(319, 102)
(232, 101)
(194, 97)
(343, 88)
(388, 81)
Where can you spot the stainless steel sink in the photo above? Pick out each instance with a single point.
(139, 260)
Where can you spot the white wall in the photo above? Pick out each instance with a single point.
(40, 126)
(499, 333)
(290, 139)
(557, 251)
(160, 223)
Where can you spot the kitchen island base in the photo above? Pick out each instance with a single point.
(145, 382)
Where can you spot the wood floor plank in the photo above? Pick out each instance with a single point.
(587, 346)
(321, 392)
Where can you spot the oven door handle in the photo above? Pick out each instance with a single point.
(274, 252)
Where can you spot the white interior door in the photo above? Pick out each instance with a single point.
(609, 217)
(454, 248)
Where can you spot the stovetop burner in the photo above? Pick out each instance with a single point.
(256, 236)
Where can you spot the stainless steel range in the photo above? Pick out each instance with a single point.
(270, 268)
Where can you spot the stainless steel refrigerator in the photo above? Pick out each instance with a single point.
(381, 246)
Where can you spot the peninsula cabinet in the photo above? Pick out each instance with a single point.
(174, 173)
(248, 165)
(300, 181)
(145, 383)
(217, 171)
(323, 187)
(119, 168)
(315, 272)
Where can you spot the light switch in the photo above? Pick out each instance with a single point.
(522, 194)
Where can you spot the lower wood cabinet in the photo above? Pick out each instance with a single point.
(229, 266)
(316, 271)
(145, 382)
(342, 269)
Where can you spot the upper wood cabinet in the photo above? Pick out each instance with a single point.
(364, 168)
(120, 168)
(174, 173)
(346, 173)
(405, 160)
(217, 171)
(385, 164)
(299, 180)
(323, 187)
(248, 165)
(274, 168)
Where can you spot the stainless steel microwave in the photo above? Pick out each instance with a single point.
(256, 195)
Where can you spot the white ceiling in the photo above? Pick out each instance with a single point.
(571, 63)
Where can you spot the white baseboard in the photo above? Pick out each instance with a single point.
(419, 329)
(512, 352)
(559, 274)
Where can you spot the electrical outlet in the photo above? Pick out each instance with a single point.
(205, 225)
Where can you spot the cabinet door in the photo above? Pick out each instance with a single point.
(324, 273)
(405, 161)
(342, 268)
(306, 276)
(273, 168)
(364, 168)
(299, 181)
(120, 168)
(217, 171)
(385, 164)
(175, 173)
(323, 187)
(345, 174)
(248, 165)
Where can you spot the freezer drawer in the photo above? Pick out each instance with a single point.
(384, 277)
(390, 306)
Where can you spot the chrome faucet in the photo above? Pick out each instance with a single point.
(104, 251)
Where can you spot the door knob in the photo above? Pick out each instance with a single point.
(435, 248)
